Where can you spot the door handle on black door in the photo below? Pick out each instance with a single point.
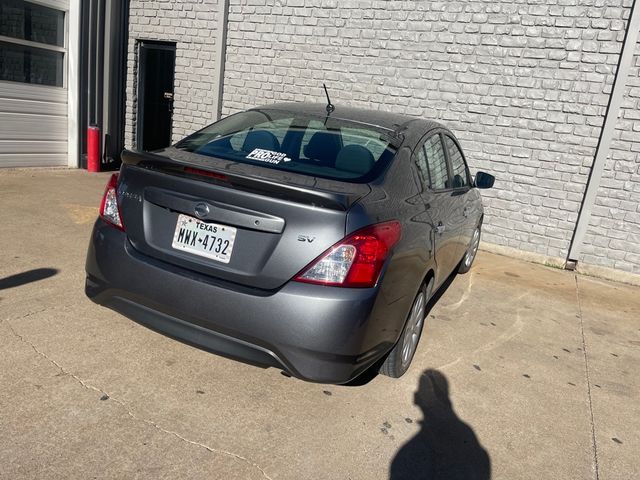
(440, 228)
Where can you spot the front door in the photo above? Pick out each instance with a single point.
(155, 95)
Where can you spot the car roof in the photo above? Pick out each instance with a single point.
(394, 122)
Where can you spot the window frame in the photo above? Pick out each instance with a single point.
(469, 185)
(423, 181)
(45, 46)
(421, 144)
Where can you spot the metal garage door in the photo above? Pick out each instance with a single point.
(33, 92)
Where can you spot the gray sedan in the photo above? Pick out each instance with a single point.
(290, 236)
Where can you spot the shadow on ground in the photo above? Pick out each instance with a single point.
(26, 277)
(446, 448)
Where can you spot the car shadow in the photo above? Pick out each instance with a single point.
(445, 447)
(27, 277)
(442, 290)
(373, 371)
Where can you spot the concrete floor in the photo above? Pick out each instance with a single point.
(523, 372)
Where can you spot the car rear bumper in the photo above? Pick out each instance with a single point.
(321, 334)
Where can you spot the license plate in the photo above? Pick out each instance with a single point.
(206, 239)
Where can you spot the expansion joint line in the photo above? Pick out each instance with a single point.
(586, 371)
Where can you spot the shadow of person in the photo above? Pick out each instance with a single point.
(445, 447)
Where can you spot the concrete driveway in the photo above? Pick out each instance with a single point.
(524, 372)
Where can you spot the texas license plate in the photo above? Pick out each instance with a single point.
(206, 239)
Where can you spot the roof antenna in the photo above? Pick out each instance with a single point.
(330, 107)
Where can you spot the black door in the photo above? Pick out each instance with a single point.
(155, 95)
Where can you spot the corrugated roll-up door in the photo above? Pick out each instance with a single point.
(33, 91)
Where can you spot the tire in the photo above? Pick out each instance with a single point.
(472, 250)
(400, 357)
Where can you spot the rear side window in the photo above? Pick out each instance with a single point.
(458, 166)
(324, 147)
(436, 163)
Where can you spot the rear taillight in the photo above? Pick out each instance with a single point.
(109, 210)
(355, 261)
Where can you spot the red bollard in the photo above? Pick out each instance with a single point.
(93, 149)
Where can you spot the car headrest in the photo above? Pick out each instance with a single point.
(260, 139)
(458, 181)
(355, 159)
(219, 145)
(323, 147)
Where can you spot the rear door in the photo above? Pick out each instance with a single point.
(462, 191)
(441, 203)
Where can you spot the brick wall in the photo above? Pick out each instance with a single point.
(523, 85)
(191, 25)
(613, 236)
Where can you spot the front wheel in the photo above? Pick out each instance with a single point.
(470, 254)
(399, 359)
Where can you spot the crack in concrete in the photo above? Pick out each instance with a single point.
(586, 371)
(2, 320)
(126, 408)
(35, 312)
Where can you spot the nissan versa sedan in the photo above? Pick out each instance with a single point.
(293, 236)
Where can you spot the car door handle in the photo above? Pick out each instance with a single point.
(465, 212)
(440, 228)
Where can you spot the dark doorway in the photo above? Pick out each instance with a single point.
(156, 65)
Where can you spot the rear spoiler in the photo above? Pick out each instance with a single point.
(318, 192)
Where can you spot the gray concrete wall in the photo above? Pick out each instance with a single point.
(191, 25)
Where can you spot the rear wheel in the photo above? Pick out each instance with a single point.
(399, 359)
(470, 254)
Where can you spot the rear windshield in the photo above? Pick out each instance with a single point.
(317, 146)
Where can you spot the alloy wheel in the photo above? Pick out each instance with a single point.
(473, 248)
(414, 325)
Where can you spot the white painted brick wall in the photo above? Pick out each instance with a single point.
(613, 236)
(523, 85)
(191, 25)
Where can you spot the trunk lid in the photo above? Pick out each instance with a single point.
(282, 220)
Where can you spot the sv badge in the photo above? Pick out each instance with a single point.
(306, 238)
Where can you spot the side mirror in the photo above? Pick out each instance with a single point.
(484, 180)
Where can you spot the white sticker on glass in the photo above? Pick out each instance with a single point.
(268, 156)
